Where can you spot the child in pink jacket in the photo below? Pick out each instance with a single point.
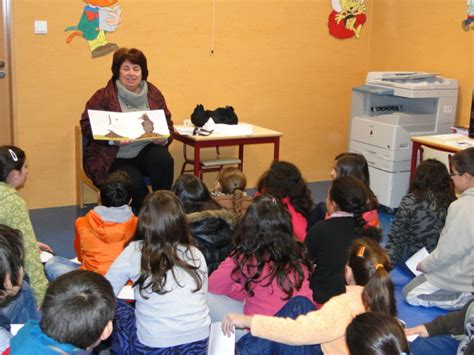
(267, 267)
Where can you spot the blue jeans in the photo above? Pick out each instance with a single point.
(125, 340)
(295, 307)
(441, 344)
(57, 266)
(20, 308)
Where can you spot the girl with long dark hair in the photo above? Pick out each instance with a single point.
(422, 212)
(267, 267)
(284, 181)
(169, 278)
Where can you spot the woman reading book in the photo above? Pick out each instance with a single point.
(128, 90)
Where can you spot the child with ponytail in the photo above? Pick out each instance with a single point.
(328, 241)
(350, 164)
(369, 288)
(229, 191)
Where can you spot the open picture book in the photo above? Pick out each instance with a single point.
(125, 126)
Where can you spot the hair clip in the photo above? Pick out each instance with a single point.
(274, 200)
(13, 155)
(378, 266)
(361, 251)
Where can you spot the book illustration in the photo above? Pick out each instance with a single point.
(121, 126)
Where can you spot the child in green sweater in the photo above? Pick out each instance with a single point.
(14, 213)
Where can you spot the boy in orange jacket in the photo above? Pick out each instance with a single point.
(103, 232)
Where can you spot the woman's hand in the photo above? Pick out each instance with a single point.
(122, 143)
(233, 320)
(419, 329)
(160, 141)
(45, 247)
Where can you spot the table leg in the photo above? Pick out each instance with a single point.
(414, 158)
(241, 157)
(197, 159)
(276, 149)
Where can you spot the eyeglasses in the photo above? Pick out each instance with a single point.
(199, 131)
(455, 174)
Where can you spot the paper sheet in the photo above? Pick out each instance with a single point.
(410, 338)
(415, 259)
(220, 344)
(45, 256)
(14, 328)
(126, 293)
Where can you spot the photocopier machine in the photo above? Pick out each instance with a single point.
(386, 112)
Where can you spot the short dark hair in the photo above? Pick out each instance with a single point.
(194, 194)
(134, 56)
(77, 307)
(375, 333)
(11, 257)
(463, 161)
(116, 190)
(11, 158)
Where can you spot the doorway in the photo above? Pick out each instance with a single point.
(6, 116)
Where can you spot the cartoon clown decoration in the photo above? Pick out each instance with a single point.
(98, 17)
(466, 24)
(347, 18)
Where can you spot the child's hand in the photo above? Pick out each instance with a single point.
(420, 330)
(419, 268)
(45, 247)
(233, 320)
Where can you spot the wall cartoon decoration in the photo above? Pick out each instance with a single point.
(466, 24)
(98, 17)
(347, 18)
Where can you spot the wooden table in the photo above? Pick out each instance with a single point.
(260, 135)
(450, 143)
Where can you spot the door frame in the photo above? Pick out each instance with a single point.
(6, 102)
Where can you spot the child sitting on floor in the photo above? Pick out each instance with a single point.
(284, 181)
(422, 213)
(103, 232)
(17, 303)
(329, 240)
(169, 279)
(77, 315)
(229, 191)
(375, 333)
(451, 333)
(350, 164)
(447, 281)
(369, 288)
(14, 213)
(267, 267)
(211, 225)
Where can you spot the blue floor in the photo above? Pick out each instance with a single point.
(55, 226)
